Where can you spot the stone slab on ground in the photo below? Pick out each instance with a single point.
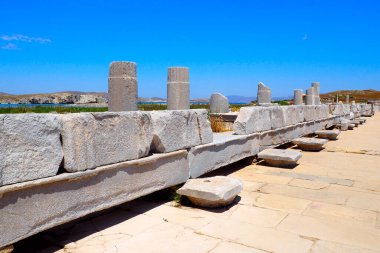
(327, 134)
(31, 207)
(280, 157)
(179, 129)
(211, 191)
(90, 140)
(310, 144)
(30, 147)
(225, 149)
(355, 122)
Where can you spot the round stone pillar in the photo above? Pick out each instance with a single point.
(317, 99)
(178, 90)
(310, 96)
(298, 94)
(122, 87)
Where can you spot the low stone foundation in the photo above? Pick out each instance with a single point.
(34, 198)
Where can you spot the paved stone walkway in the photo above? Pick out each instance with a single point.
(330, 202)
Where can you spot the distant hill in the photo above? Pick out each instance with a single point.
(357, 95)
(4, 94)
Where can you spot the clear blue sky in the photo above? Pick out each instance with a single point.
(230, 46)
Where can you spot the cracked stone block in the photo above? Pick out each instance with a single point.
(211, 191)
(94, 139)
(179, 129)
(328, 134)
(280, 157)
(30, 147)
(310, 144)
(252, 119)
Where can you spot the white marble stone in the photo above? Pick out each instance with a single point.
(30, 147)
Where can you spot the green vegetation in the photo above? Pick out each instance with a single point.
(48, 109)
(282, 102)
(68, 109)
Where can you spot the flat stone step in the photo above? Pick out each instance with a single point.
(328, 134)
(361, 120)
(351, 126)
(211, 191)
(280, 157)
(310, 144)
(355, 122)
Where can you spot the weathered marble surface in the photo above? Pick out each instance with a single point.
(31, 207)
(225, 149)
(178, 88)
(219, 103)
(30, 147)
(122, 87)
(90, 140)
(179, 129)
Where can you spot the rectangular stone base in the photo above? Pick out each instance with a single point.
(31, 207)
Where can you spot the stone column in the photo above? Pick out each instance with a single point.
(347, 99)
(298, 100)
(264, 96)
(219, 103)
(310, 96)
(178, 91)
(317, 99)
(122, 87)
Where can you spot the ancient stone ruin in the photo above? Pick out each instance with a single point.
(57, 168)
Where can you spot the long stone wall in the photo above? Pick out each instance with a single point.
(104, 159)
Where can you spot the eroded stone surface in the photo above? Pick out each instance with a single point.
(178, 89)
(122, 86)
(310, 144)
(219, 103)
(30, 147)
(94, 139)
(179, 129)
(212, 191)
(280, 157)
(252, 119)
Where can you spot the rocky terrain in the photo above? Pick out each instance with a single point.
(357, 95)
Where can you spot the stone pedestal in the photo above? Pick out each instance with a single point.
(264, 96)
(122, 87)
(316, 86)
(298, 100)
(219, 103)
(310, 96)
(178, 90)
